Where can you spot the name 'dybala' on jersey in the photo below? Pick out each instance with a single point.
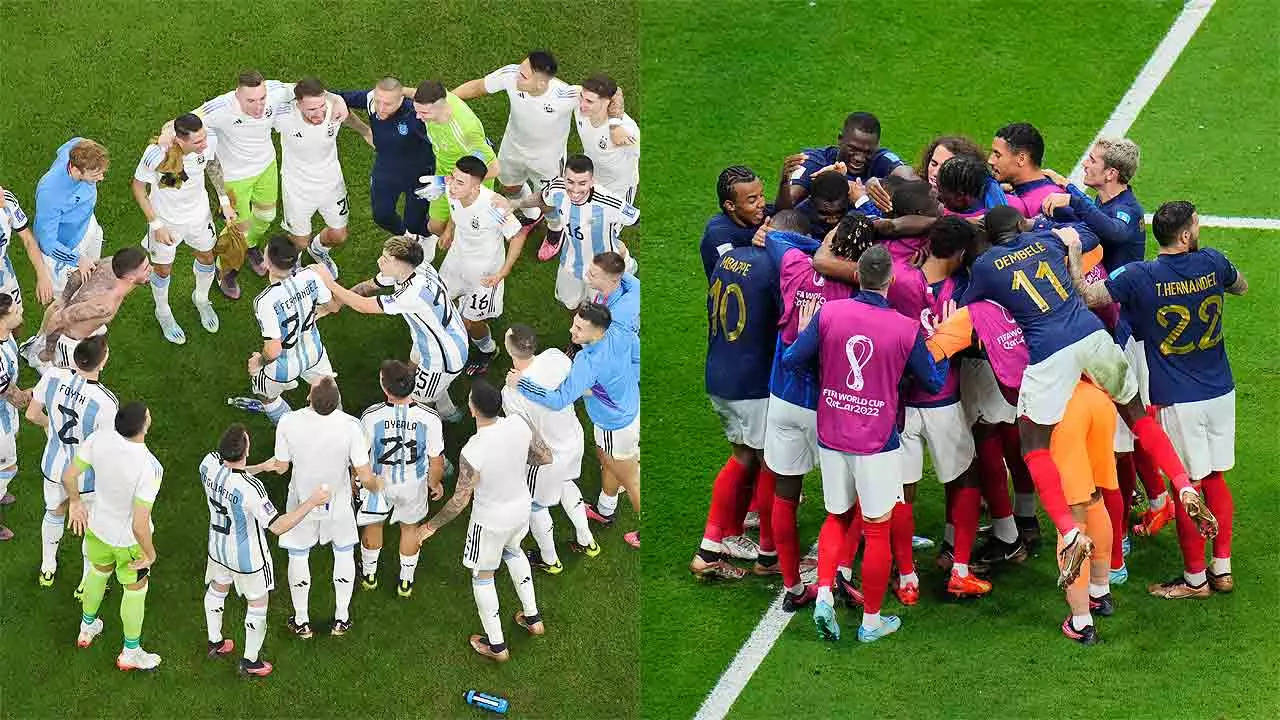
(399, 424)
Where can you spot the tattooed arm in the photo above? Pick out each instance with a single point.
(467, 479)
(539, 451)
(214, 172)
(87, 311)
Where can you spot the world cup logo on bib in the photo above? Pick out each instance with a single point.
(858, 349)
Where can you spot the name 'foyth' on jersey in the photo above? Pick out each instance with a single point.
(239, 513)
(287, 311)
(402, 441)
(77, 407)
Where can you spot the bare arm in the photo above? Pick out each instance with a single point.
(1239, 287)
(367, 288)
(142, 533)
(467, 478)
(139, 189)
(1094, 294)
(354, 299)
(471, 89)
(35, 413)
(284, 523)
(16, 396)
(86, 311)
(354, 122)
(827, 264)
(272, 466)
(213, 171)
(367, 479)
(44, 283)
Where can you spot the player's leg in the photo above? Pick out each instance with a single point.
(437, 218)
(790, 451)
(1024, 487)
(541, 527)
(1079, 624)
(522, 578)
(344, 579)
(993, 476)
(240, 192)
(877, 493)
(255, 632)
(741, 465)
(762, 499)
(476, 304)
(1159, 511)
(8, 458)
(217, 583)
(1098, 527)
(409, 553)
(370, 549)
(622, 453)
(264, 195)
(574, 506)
(607, 503)
(102, 564)
(431, 388)
(202, 239)
(133, 608)
(481, 554)
(162, 257)
(300, 580)
(335, 214)
(1221, 427)
(839, 496)
(902, 522)
(53, 526)
(265, 385)
(1100, 443)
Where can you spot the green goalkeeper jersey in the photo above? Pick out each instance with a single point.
(462, 135)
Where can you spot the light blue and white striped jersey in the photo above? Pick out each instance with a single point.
(287, 311)
(239, 514)
(12, 220)
(439, 337)
(590, 228)
(402, 441)
(77, 407)
(8, 378)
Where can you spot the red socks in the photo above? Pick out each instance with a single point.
(1114, 501)
(852, 539)
(1218, 497)
(1152, 483)
(763, 502)
(902, 525)
(830, 538)
(784, 537)
(1189, 539)
(993, 475)
(1156, 443)
(875, 565)
(964, 517)
(1048, 483)
(724, 499)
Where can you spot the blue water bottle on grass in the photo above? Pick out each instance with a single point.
(492, 703)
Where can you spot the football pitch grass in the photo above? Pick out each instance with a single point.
(775, 78)
(115, 72)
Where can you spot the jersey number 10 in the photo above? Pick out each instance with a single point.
(718, 309)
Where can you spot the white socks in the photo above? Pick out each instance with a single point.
(344, 579)
(1005, 529)
(1097, 591)
(300, 584)
(214, 600)
(540, 527)
(51, 533)
(255, 631)
(204, 281)
(912, 578)
(871, 621)
(1158, 501)
(1220, 566)
(522, 578)
(408, 566)
(1080, 622)
(160, 292)
(571, 501)
(824, 595)
(607, 505)
(485, 344)
(960, 569)
(1194, 579)
(369, 560)
(276, 410)
(486, 595)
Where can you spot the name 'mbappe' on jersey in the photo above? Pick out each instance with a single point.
(742, 324)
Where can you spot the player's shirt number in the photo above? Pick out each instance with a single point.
(718, 312)
(1043, 272)
(294, 325)
(221, 522)
(391, 455)
(67, 429)
(1179, 316)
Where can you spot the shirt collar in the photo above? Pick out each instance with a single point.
(871, 298)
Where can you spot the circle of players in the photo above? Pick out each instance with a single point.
(991, 310)
(526, 454)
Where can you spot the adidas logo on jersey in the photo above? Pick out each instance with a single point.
(298, 134)
(238, 122)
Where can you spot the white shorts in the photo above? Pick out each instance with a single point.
(300, 206)
(950, 442)
(790, 438)
(429, 386)
(270, 388)
(1203, 433)
(980, 395)
(65, 347)
(319, 529)
(870, 480)
(485, 549)
(90, 247)
(1047, 386)
(250, 586)
(546, 482)
(55, 493)
(1133, 351)
(405, 503)
(199, 236)
(8, 457)
(515, 168)
(620, 444)
(475, 301)
(743, 420)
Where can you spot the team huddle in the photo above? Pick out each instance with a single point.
(349, 476)
(992, 311)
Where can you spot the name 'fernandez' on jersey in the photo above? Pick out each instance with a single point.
(742, 324)
(287, 311)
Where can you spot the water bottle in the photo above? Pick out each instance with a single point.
(492, 703)
(247, 404)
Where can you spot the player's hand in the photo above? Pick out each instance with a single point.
(1068, 235)
(320, 496)
(167, 135)
(79, 516)
(163, 236)
(340, 110)
(884, 226)
(255, 363)
(617, 105)
(424, 533)
(792, 164)
(620, 137)
(513, 377)
(229, 212)
(857, 191)
(807, 309)
(322, 271)
(436, 491)
(765, 227)
(85, 267)
(1054, 202)
(492, 280)
(44, 288)
(837, 167)
(142, 563)
(1055, 176)
(879, 196)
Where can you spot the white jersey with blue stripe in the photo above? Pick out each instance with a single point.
(239, 514)
(590, 228)
(402, 441)
(287, 311)
(12, 220)
(439, 337)
(77, 407)
(8, 378)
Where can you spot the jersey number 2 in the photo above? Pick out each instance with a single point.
(69, 419)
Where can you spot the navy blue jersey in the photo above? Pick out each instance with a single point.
(880, 163)
(743, 306)
(723, 234)
(400, 142)
(1118, 222)
(1174, 304)
(818, 228)
(1029, 277)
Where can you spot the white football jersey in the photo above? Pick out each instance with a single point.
(499, 452)
(538, 125)
(402, 440)
(244, 143)
(559, 429)
(323, 449)
(77, 408)
(309, 153)
(8, 377)
(439, 336)
(287, 311)
(12, 220)
(124, 471)
(590, 228)
(239, 514)
(478, 234)
(186, 205)
(617, 167)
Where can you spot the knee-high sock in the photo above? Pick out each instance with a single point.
(522, 578)
(724, 500)
(214, 601)
(259, 221)
(204, 280)
(902, 525)
(1049, 485)
(965, 514)
(1078, 591)
(486, 595)
(785, 540)
(1127, 477)
(408, 566)
(993, 475)
(51, 531)
(852, 541)
(875, 565)
(541, 528)
(95, 586)
(571, 501)
(369, 560)
(133, 606)
(160, 293)
(255, 631)
(763, 500)
(733, 524)
(1114, 501)
(344, 580)
(85, 565)
(300, 583)
(1218, 497)
(830, 538)
(1189, 540)
(1148, 473)
(1155, 442)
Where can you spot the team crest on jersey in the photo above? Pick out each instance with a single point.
(475, 223)
(200, 160)
(1123, 216)
(604, 144)
(548, 108)
(403, 128)
(332, 129)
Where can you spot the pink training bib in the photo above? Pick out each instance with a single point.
(1003, 341)
(799, 282)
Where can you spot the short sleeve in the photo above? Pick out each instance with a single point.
(279, 92)
(146, 170)
(628, 214)
(510, 226)
(17, 218)
(472, 454)
(84, 451)
(1122, 285)
(149, 483)
(260, 506)
(42, 388)
(268, 321)
(1227, 273)
(435, 438)
(358, 452)
(323, 294)
(396, 303)
(504, 78)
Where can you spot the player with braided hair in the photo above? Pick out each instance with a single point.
(961, 183)
(744, 212)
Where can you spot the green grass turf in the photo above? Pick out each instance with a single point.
(784, 76)
(115, 72)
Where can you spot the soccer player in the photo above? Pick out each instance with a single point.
(477, 263)
(325, 446)
(70, 406)
(744, 212)
(962, 183)
(612, 143)
(607, 372)
(240, 513)
(454, 131)
(406, 448)
(492, 466)
(419, 296)
(126, 478)
(615, 288)
(12, 399)
(557, 481)
(1026, 272)
(827, 202)
(1016, 154)
(177, 211)
(743, 306)
(594, 218)
(287, 311)
(401, 154)
(863, 349)
(14, 220)
(945, 147)
(67, 231)
(1175, 304)
(310, 175)
(858, 147)
(1116, 217)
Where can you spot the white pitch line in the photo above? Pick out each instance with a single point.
(1144, 86)
(1238, 223)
